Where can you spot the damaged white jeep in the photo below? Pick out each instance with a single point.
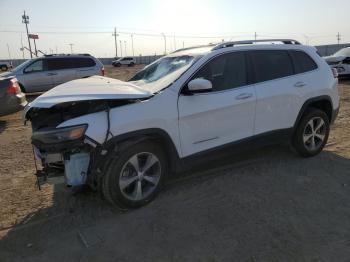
(124, 138)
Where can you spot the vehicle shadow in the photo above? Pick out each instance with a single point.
(268, 205)
(3, 125)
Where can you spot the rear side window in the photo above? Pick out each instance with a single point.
(69, 63)
(271, 64)
(302, 62)
(59, 63)
(83, 62)
(225, 72)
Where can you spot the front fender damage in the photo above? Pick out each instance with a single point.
(77, 161)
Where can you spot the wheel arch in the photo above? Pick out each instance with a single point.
(323, 103)
(120, 142)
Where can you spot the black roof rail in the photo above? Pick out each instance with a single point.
(251, 42)
(49, 55)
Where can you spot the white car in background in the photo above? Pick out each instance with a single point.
(129, 61)
(340, 61)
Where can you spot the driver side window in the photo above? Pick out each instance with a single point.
(37, 66)
(225, 72)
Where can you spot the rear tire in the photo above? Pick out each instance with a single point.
(312, 133)
(135, 176)
(4, 68)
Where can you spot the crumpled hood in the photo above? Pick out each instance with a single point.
(334, 58)
(91, 88)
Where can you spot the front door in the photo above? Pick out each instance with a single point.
(36, 77)
(220, 116)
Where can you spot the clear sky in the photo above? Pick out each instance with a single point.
(89, 24)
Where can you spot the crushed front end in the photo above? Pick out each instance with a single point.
(63, 152)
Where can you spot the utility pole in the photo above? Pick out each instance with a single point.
(115, 41)
(36, 52)
(307, 39)
(125, 47)
(255, 36)
(174, 42)
(164, 42)
(56, 49)
(8, 50)
(338, 38)
(121, 48)
(183, 44)
(71, 48)
(132, 45)
(25, 20)
(22, 48)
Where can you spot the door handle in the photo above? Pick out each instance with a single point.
(244, 96)
(299, 84)
(51, 74)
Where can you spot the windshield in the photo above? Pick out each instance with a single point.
(343, 52)
(163, 72)
(23, 65)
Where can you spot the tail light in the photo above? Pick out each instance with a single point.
(335, 72)
(13, 88)
(103, 71)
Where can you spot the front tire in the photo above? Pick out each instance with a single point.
(134, 177)
(4, 68)
(312, 133)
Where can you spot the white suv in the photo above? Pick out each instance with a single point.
(340, 61)
(129, 61)
(124, 138)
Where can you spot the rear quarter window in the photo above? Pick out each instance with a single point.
(84, 62)
(302, 62)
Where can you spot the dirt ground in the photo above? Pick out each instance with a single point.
(266, 205)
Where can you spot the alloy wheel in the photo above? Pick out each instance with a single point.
(314, 133)
(140, 176)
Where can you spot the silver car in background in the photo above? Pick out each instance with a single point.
(43, 73)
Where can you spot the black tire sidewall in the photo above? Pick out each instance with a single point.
(298, 138)
(113, 173)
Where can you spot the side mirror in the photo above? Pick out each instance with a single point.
(199, 84)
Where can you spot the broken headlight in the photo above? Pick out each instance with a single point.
(64, 134)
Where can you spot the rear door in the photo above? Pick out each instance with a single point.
(62, 69)
(280, 90)
(220, 116)
(36, 77)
